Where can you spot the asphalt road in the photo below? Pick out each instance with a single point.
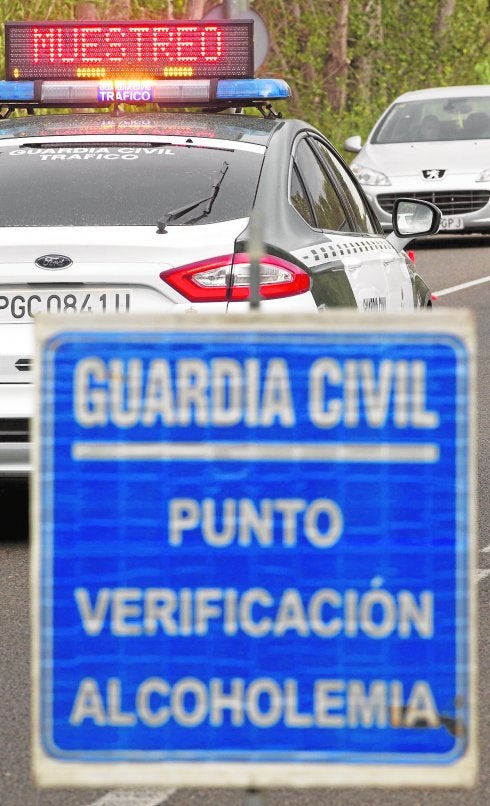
(457, 268)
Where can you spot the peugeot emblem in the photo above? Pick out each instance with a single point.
(433, 173)
(53, 262)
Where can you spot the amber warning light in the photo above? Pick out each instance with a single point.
(150, 49)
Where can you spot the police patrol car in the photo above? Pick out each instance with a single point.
(112, 211)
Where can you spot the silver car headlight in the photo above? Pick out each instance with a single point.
(367, 176)
(484, 176)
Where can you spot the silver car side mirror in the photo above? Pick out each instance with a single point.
(353, 144)
(414, 218)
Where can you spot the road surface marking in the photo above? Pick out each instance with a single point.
(461, 287)
(487, 548)
(482, 573)
(134, 797)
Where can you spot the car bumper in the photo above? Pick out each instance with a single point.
(15, 460)
(463, 210)
(16, 401)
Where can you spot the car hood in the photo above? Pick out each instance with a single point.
(406, 159)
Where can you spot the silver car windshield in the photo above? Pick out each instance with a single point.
(437, 119)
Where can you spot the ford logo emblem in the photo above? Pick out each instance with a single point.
(53, 262)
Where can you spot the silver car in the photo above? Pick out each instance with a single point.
(434, 145)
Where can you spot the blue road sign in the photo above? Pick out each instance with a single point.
(253, 559)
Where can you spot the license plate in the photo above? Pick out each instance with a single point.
(451, 222)
(19, 306)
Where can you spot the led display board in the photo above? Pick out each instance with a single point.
(149, 49)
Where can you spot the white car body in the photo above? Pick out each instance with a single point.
(90, 268)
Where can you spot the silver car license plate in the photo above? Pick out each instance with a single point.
(21, 305)
(449, 222)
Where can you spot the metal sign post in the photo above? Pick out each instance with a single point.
(233, 8)
(253, 551)
(255, 252)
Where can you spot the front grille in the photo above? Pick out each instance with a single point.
(14, 430)
(456, 202)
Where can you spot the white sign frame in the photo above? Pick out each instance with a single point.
(50, 772)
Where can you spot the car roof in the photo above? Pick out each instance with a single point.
(445, 92)
(247, 128)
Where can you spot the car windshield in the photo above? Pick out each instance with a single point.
(121, 184)
(436, 119)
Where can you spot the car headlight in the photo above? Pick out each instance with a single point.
(484, 176)
(367, 176)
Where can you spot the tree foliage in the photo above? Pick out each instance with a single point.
(392, 47)
(344, 59)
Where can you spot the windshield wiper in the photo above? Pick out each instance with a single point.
(174, 215)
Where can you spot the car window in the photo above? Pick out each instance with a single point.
(436, 119)
(121, 184)
(300, 199)
(359, 208)
(327, 207)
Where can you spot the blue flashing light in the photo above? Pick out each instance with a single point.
(11, 91)
(259, 89)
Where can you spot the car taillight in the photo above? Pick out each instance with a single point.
(228, 278)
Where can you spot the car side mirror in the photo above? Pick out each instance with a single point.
(414, 218)
(353, 144)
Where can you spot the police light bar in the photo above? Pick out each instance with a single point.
(237, 92)
(109, 50)
(16, 91)
(258, 89)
